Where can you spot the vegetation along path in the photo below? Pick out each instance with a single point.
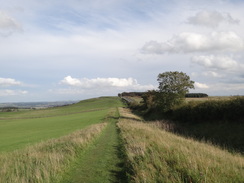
(103, 161)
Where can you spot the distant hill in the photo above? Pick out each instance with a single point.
(36, 104)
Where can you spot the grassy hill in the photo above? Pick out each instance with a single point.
(21, 128)
(100, 140)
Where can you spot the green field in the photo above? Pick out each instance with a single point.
(100, 140)
(18, 129)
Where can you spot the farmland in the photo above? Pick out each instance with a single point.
(101, 140)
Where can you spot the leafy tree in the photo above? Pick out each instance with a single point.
(172, 88)
(175, 83)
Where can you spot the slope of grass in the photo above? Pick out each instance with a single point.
(155, 155)
(81, 107)
(102, 162)
(46, 162)
(17, 133)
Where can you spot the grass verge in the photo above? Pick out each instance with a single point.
(46, 161)
(155, 155)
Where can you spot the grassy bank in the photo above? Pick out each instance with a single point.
(216, 119)
(46, 162)
(155, 155)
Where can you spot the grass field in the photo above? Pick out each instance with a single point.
(46, 162)
(38, 151)
(81, 107)
(93, 141)
(16, 132)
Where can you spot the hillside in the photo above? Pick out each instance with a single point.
(100, 140)
(21, 128)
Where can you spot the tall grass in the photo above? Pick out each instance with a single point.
(46, 161)
(155, 155)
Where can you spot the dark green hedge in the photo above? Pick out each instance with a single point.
(196, 95)
(227, 110)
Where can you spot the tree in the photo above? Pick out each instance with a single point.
(172, 89)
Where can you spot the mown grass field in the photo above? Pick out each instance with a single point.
(81, 107)
(18, 129)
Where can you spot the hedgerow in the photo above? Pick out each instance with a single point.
(214, 110)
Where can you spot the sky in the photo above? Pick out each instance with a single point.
(56, 50)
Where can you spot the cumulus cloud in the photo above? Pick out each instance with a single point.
(105, 83)
(4, 93)
(211, 19)
(217, 62)
(7, 24)
(71, 81)
(188, 42)
(5, 82)
(200, 85)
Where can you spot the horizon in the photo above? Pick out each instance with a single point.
(101, 97)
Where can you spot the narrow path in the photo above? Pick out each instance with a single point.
(102, 162)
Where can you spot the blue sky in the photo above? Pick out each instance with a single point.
(73, 50)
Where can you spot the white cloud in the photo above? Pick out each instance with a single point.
(103, 83)
(8, 24)
(4, 93)
(188, 42)
(211, 19)
(71, 81)
(5, 82)
(200, 85)
(217, 62)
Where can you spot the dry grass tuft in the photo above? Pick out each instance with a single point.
(126, 113)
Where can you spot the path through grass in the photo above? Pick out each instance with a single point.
(46, 162)
(103, 161)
